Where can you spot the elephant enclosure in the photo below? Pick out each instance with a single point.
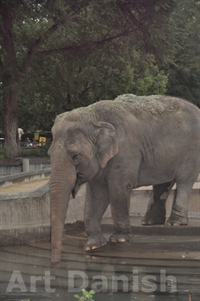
(25, 212)
(25, 223)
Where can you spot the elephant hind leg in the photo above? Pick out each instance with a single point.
(156, 211)
(179, 214)
(185, 178)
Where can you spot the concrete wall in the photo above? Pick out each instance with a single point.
(10, 170)
(138, 204)
(23, 176)
(6, 170)
(25, 217)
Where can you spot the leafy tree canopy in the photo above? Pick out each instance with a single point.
(60, 54)
(184, 68)
(62, 82)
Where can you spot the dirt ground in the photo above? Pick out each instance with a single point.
(23, 186)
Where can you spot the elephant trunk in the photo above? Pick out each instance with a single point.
(62, 182)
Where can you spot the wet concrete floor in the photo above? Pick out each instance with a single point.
(158, 265)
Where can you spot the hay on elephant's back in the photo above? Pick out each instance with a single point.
(153, 104)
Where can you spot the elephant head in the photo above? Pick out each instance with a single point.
(78, 152)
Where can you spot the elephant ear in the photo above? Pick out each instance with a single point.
(106, 141)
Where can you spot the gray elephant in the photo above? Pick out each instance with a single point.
(116, 146)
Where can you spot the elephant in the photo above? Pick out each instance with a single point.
(115, 146)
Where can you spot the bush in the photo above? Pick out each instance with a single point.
(40, 151)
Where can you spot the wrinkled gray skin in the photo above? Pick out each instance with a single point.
(116, 146)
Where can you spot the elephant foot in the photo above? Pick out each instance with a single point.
(94, 243)
(121, 237)
(154, 216)
(176, 221)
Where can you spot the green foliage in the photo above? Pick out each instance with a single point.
(184, 69)
(68, 53)
(57, 55)
(86, 295)
(40, 151)
(65, 82)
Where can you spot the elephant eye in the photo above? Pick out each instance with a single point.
(75, 157)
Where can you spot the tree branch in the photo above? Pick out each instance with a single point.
(127, 10)
(33, 49)
(91, 43)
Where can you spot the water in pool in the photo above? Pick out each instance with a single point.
(26, 274)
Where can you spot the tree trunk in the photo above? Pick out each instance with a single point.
(12, 146)
(10, 83)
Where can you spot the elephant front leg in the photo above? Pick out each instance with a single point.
(120, 207)
(96, 203)
(156, 211)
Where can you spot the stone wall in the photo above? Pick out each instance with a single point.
(138, 204)
(6, 170)
(25, 217)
